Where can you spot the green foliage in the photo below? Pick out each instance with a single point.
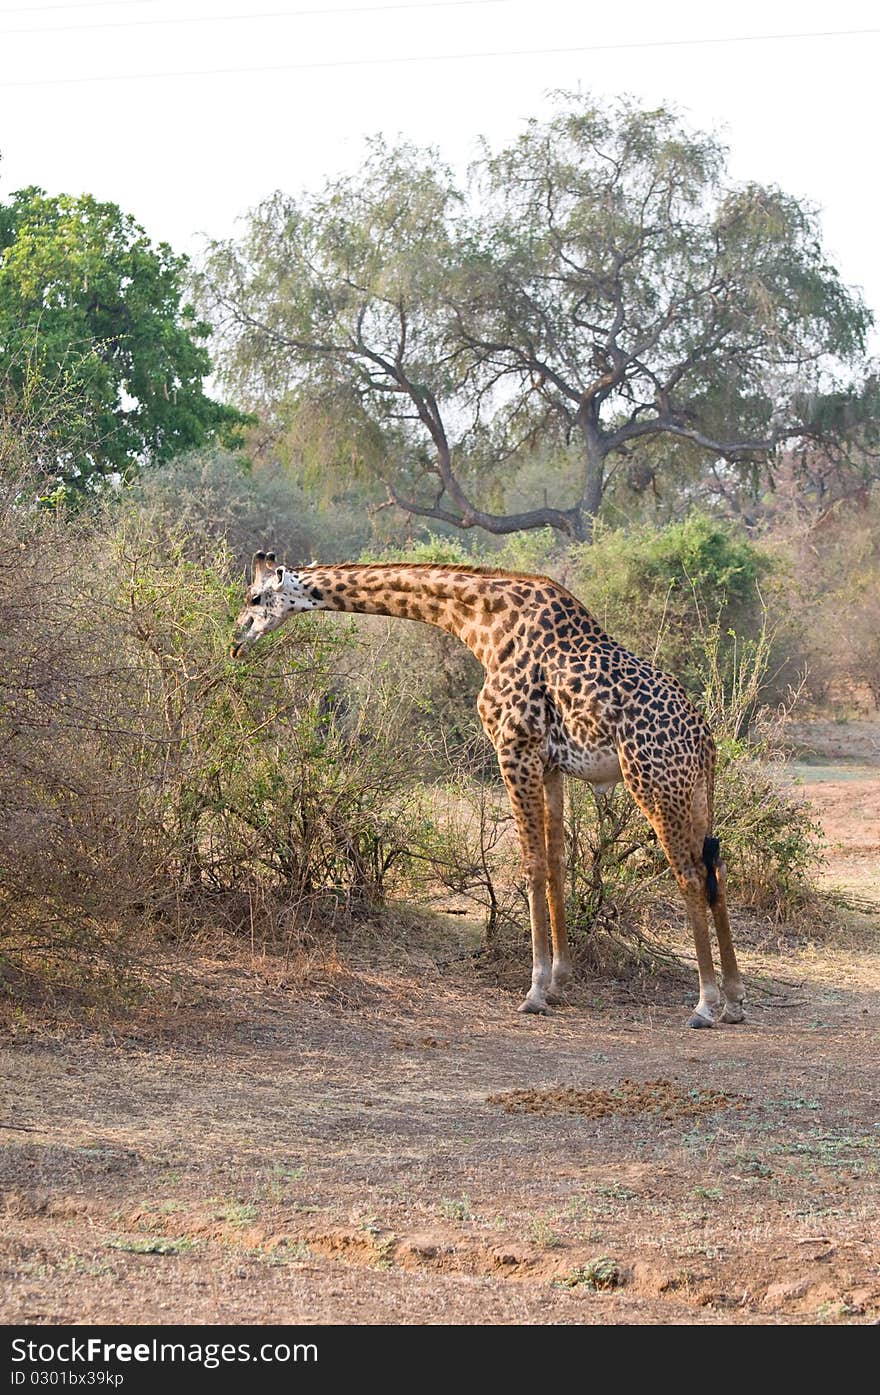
(42, 416)
(278, 781)
(771, 840)
(598, 1275)
(376, 243)
(88, 304)
(599, 287)
(533, 552)
(430, 548)
(150, 781)
(219, 500)
(658, 590)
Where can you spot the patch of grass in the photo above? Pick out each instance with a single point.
(797, 1102)
(598, 1275)
(840, 1309)
(41, 1270)
(456, 1210)
(838, 1152)
(236, 1213)
(806, 1213)
(542, 1233)
(280, 1179)
(616, 1191)
(384, 1241)
(750, 1164)
(708, 1193)
(579, 1208)
(284, 1254)
(384, 1247)
(156, 1245)
(76, 1264)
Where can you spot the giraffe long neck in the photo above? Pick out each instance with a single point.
(464, 603)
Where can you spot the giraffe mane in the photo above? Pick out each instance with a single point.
(458, 569)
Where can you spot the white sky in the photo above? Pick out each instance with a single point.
(186, 155)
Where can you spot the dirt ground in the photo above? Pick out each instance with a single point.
(391, 1142)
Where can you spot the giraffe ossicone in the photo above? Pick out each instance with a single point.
(560, 698)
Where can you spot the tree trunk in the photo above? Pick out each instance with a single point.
(594, 480)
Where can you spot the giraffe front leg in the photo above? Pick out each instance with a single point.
(522, 769)
(554, 794)
(537, 999)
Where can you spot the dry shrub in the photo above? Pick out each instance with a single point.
(654, 588)
(149, 782)
(772, 844)
(67, 857)
(830, 589)
(469, 848)
(615, 868)
(220, 500)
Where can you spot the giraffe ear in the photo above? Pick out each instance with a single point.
(262, 566)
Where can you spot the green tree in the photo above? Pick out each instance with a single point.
(600, 287)
(663, 591)
(91, 309)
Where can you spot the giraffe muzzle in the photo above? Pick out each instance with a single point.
(242, 641)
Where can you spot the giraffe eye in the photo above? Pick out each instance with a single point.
(256, 600)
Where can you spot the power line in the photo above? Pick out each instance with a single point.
(268, 14)
(81, 5)
(436, 58)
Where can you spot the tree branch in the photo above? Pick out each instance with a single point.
(565, 521)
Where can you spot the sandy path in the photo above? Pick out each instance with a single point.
(335, 1157)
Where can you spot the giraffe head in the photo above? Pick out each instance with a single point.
(274, 593)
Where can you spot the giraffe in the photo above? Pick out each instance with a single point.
(560, 698)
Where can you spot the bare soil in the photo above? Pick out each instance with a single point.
(385, 1139)
(837, 767)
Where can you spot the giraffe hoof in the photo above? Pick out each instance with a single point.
(733, 1012)
(697, 1019)
(556, 997)
(540, 1009)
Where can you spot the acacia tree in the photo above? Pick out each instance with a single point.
(600, 285)
(92, 315)
(332, 306)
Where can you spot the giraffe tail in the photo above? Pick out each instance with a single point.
(711, 858)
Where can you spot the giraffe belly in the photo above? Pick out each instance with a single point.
(597, 765)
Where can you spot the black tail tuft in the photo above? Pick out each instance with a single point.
(711, 857)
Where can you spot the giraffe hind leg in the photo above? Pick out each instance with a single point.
(706, 851)
(679, 830)
(680, 816)
(731, 982)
